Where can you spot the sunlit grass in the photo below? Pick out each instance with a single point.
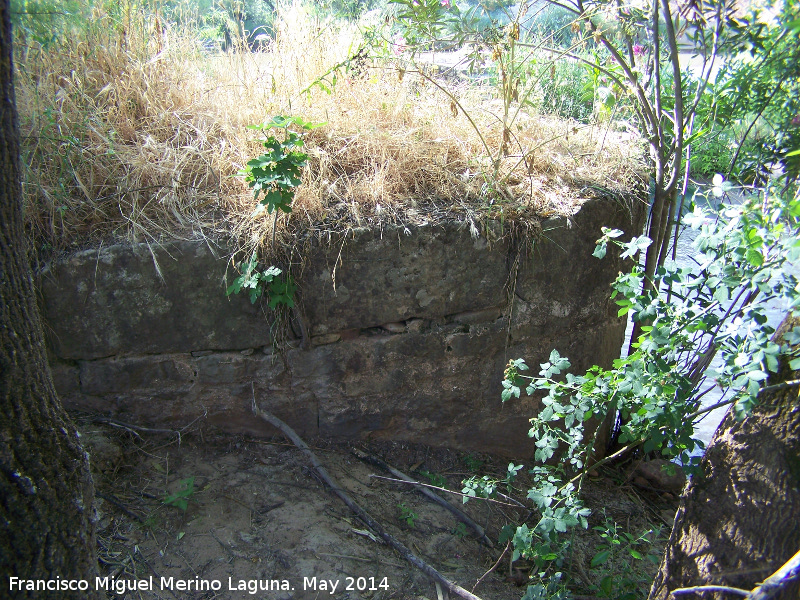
(129, 134)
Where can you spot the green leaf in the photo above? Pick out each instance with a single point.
(600, 558)
(754, 257)
(600, 250)
(607, 585)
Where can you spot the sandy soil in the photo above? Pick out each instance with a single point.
(256, 515)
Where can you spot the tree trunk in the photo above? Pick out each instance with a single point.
(47, 518)
(739, 520)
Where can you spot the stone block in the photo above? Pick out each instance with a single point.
(137, 299)
(409, 333)
(157, 374)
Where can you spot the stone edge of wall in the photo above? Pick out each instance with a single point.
(409, 344)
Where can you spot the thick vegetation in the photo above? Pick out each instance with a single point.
(746, 252)
(135, 126)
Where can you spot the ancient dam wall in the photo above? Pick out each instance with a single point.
(408, 331)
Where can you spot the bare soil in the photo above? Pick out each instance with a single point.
(257, 515)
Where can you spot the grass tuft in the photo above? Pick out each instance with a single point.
(131, 133)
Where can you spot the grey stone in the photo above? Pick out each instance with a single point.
(328, 338)
(129, 300)
(661, 475)
(65, 377)
(388, 277)
(410, 344)
(233, 367)
(137, 374)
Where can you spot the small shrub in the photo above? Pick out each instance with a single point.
(623, 564)
(407, 515)
(279, 290)
(567, 91)
(711, 154)
(180, 499)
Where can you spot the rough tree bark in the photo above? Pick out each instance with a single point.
(739, 520)
(47, 518)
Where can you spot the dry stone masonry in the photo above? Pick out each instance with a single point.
(403, 332)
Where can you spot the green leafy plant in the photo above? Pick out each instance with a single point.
(180, 499)
(274, 176)
(473, 463)
(753, 104)
(551, 589)
(486, 487)
(276, 173)
(279, 291)
(435, 478)
(406, 514)
(747, 255)
(460, 531)
(623, 561)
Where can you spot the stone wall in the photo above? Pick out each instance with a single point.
(407, 332)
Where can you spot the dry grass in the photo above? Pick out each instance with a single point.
(137, 136)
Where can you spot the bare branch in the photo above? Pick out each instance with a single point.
(360, 512)
(775, 582)
(460, 514)
(710, 588)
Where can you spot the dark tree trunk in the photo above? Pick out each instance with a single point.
(739, 521)
(47, 522)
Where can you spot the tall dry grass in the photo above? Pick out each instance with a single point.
(131, 133)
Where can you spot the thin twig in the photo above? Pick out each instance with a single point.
(477, 583)
(135, 428)
(460, 515)
(109, 498)
(708, 409)
(780, 386)
(433, 487)
(360, 512)
(115, 423)
(775, 582)
(607, 459)
(769, 388)
(710, 588)
(360, 559)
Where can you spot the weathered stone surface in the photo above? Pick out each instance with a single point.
(376, 277)
(230, 367)
(661, 475)
(410, 344)
(143, 373)
(562, 285)
(143, 299)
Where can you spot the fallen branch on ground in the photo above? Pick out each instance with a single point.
(112, 500)
(360, 512)
(494, 566)
(460, 515)
(436, 487)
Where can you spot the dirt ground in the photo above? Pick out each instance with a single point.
(210, 515)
